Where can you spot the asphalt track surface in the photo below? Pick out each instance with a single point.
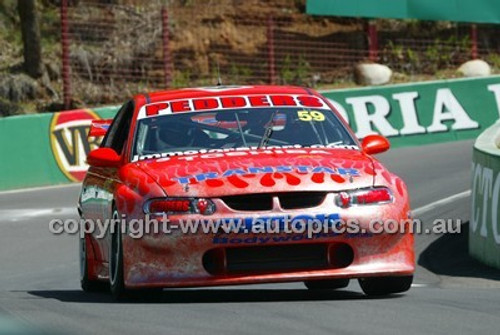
(452, 294)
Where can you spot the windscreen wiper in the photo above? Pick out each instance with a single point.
(240, 129)
(268, 132)
(313, 126)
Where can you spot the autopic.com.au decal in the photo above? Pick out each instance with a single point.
(70, 143)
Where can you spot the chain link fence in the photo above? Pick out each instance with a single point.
(113, 51)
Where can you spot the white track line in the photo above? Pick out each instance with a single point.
(14, 215)
(41, 188)
(444, 201)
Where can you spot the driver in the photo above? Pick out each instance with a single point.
(174, 134)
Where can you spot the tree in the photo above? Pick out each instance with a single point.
(31, 37)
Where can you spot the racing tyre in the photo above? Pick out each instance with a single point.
(378, 286)
(87, 284)
(327, 284)
(116, 281)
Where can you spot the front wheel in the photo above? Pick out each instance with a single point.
(116, 281)
(379, 286)
(86, 282)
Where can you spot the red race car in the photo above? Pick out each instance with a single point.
(240, 185)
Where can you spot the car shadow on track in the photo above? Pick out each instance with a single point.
(186, 296)
(449, 256)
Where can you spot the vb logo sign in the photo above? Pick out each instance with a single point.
(69, 141)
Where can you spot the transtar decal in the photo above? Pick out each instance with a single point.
(267, 169)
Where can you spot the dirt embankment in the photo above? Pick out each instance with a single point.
(203, 33)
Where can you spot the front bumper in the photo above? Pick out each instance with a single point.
(180, 260)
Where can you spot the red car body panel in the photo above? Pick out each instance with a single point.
(177, 260)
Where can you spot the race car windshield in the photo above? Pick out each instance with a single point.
(239, 128)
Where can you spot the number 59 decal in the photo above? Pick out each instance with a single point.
(311, 116)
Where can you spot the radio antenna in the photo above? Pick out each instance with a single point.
(219, 79)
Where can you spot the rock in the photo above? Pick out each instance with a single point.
(18, 87)
(475, 68)
(372, 74)
(45, 82)
(53, 70)
(82, 58)
(8, 108)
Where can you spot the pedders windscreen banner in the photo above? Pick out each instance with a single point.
(49, 149)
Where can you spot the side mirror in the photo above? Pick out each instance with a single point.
(103, 157)
(375, 144)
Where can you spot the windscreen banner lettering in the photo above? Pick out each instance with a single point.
(219, 103)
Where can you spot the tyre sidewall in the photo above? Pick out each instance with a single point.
(116, 281)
